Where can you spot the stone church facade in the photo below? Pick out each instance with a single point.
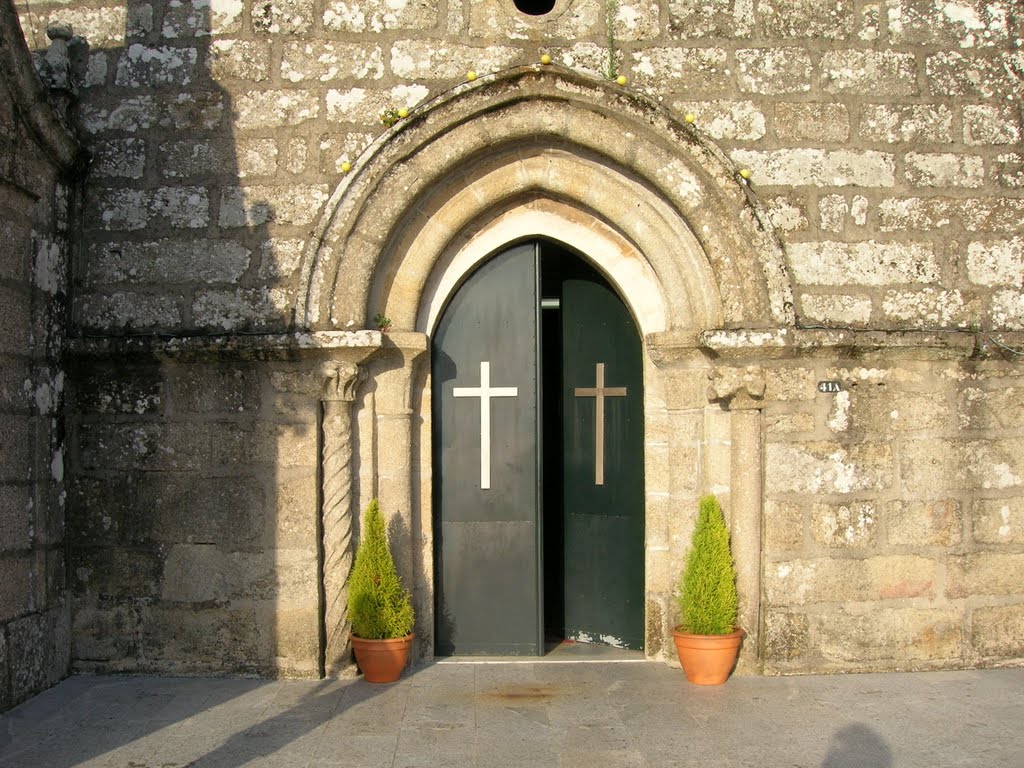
(230, 246)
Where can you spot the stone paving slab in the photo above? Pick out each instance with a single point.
(525, 714)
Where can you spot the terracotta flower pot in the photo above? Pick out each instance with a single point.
(708, 659)
(382, 661)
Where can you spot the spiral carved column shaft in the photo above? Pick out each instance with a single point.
(336, 510)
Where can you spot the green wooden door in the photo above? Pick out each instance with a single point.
(487, 509)
(538, 459)
(603, 481)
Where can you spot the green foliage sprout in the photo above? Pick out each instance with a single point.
(379, 606)
(707, 587)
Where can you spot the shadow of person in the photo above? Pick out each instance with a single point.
(857, 746)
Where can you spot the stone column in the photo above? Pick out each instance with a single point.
(342, 378)
(746, 481)
(742, 390)
(399, 476)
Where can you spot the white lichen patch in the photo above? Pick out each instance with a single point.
(843, 309)
(929, 306)
(839, 417)
(996, 263)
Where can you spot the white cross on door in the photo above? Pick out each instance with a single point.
(485, 392)
(599, 393)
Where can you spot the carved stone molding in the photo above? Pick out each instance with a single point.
(341, 380)
(737, 388)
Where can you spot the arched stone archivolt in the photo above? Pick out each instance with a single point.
(546, 153)
(461, 162)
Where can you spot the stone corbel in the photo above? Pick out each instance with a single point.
(737, 388)
(341, 380)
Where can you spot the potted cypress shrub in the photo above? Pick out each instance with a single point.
(379, 607)
(707, 638)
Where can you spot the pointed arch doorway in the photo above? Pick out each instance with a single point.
(537, 391)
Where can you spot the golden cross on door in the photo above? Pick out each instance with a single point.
(599, 393)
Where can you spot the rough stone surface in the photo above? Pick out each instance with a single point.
(852, 169)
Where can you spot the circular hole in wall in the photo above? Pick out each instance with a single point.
(535, 7)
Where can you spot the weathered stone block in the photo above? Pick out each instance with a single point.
(16, 585)
(338, 149)
(952, 73)
(869, 72)
(272, 109)
(16, 517)
(998, 521)
(114, 573)
(413, 60)
(790, 384)
(929, 307)
(141, 66)
(214, 389)
(893, 123)
(238, 60)
(365, 105)
(934, 466)
(124, 309)
(297, 511)
(709, 18)
(38, 648)
(379, 15)
(296, 645)
(739, 120)
(789, 423)
(120, 209)
(244, 308)
(840, 309)
(965, 24)
(996, 262)
(842, 580)
(845, 526)
(788, 213)
(864, 263)
(108, 634)
(192, 111)
(702, 69)
(783, 526)
(773, 71)
(923, 523)
(16, 437)
(798, 18)
(944, 169)
(785, 636)
(282, 17)
(1008, 170)
(229, 512)
(818, 168)
(998, 631)
(119, 158)
(280, 258)
(103, 511)
(326, 62)
(990, 124)
(255, 205)
(145, 445)
(1008, 310)
(886, 636)
(812, 122)
(991, 409)
(224, 639)
(984, 573)
(167, 261)
(828, 467)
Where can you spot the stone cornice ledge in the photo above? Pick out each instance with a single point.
(350, 346)
(669, 348)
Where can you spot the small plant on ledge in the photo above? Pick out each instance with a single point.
(382, 321)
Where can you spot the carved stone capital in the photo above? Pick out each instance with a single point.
(341, 380)
(738, 388)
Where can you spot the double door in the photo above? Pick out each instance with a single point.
(538, 459)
